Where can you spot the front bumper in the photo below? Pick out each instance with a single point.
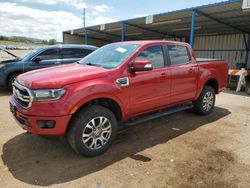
(29, 123)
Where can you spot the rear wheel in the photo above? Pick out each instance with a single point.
(11, 80)
(205, 103)
(92, 130)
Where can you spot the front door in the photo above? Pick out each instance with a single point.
(150, 89)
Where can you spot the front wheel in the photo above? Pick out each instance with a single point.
(92, 130)
(205, 103)
(11, 80)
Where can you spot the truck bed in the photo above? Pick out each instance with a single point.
(216, 68)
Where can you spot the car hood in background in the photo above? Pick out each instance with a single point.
(8, 52)
(59, 76)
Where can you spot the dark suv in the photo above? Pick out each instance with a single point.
(41, 58)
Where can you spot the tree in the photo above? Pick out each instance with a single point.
(52, 41)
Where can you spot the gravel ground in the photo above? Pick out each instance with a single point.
(180, 150)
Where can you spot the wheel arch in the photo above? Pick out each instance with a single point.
(10, 74)
(212, 82)
(106, 102)
(7, 81)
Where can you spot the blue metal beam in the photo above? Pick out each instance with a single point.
(106, 33)
(247, 44)
(192, 32)
(103, 32)
(245, 41)
(147, 29)
(90, 37)
(122, 31)
(221, 22)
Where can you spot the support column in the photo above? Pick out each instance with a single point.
(192, 31)
(247, 45)
(63, 37)
(122, 31)
(86, 37)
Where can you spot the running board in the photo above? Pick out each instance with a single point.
(158, 114)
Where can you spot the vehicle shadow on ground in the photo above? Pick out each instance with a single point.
(47, 161)
(233, 92)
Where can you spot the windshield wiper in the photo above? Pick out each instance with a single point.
(93, 64)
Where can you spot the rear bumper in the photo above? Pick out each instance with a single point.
(29, 123)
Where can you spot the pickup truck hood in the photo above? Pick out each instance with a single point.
(59, 76)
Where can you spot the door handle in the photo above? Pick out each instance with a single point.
(191, 70)
(163, 75)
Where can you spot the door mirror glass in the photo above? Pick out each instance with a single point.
(141, 65)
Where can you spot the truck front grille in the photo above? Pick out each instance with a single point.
(22, 95)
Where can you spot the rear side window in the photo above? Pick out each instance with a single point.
(49, 54)
(153, 54)
(178, 55)
(70, 53)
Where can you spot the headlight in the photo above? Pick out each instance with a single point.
(47, 94)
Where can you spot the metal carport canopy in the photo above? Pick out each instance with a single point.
(226, 17)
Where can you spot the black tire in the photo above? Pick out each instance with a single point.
(11, 79)
(81, 123)
(200, 105)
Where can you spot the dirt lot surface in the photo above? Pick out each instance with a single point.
(181, 150)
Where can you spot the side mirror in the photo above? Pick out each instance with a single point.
(37, 59)
(141, 65)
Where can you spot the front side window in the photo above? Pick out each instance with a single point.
(49, 54)
(153, 54)
(178, 55)
(111, 55)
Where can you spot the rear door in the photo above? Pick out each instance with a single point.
(71, 55)
(150, 89)
(184, 73)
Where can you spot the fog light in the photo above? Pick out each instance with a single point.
(46, 124)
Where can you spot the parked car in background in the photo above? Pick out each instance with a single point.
(41, 58)
(128, 82)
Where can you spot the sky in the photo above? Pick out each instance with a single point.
(46, 19)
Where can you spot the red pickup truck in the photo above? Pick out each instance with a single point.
(120, 84)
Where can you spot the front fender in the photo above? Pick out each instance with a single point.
(81, 93)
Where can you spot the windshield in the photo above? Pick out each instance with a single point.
(29, 55)
(111, 55)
